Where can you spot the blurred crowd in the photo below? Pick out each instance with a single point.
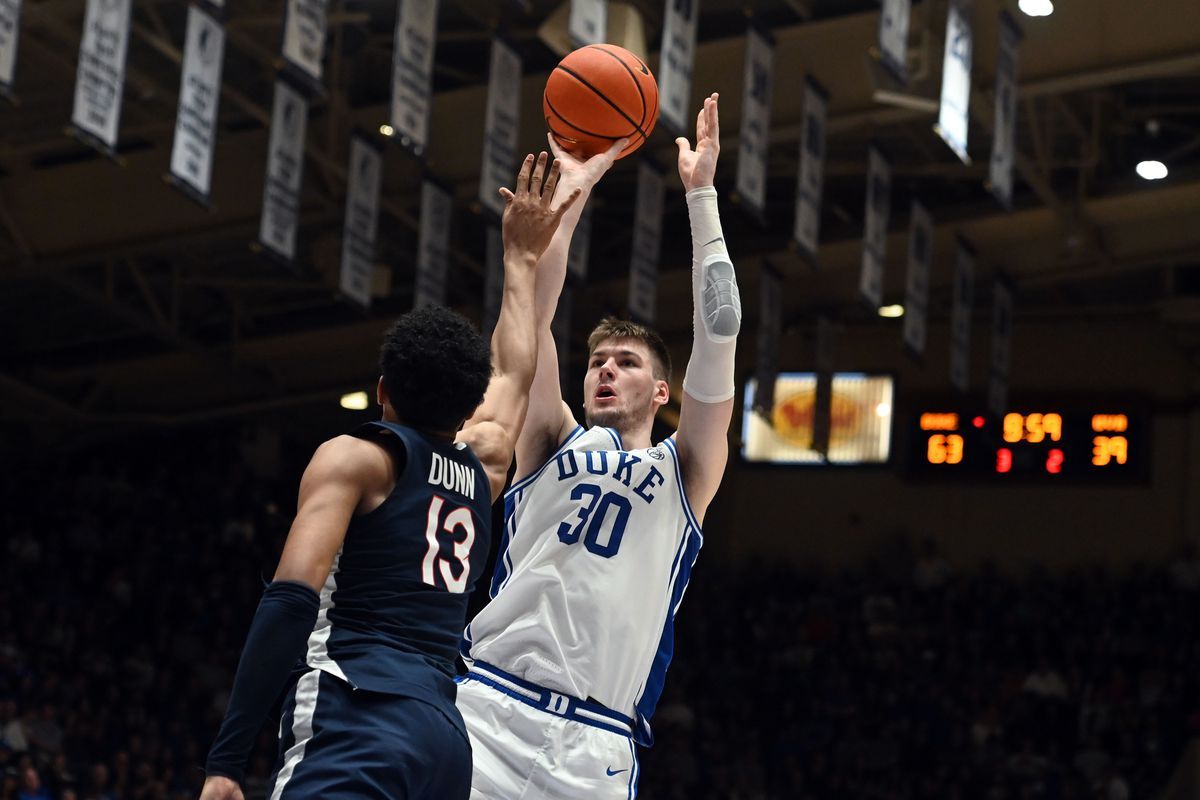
(904, 680)
(127, 583)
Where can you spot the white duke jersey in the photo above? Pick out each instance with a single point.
(596, 552)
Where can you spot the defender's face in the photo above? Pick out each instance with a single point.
(619, 389)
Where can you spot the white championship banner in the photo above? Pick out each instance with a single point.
(412, 72)
(647, 238)
(960, 317)
(10, 27)
(362, 214)
(285, 172)
(770, 324)
(560, 328)
(893, 37)
(100, 78)
(581, 245)
(199, 99)
(433, 248)
(751, 182)
(500, 126)
(304, 24)
(493, 285)
(675, 61)
(1004, 130)
(588, 22)
(952, 121)
(807, 228)
(916, 290)
(878, 209)
(1002, 324)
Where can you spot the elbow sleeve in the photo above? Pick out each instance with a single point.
(717, 304)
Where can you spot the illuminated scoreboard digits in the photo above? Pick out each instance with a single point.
(1052, 444)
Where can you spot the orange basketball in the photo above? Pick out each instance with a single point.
(599, 94)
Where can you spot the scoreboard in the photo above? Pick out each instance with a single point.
(1048, 443)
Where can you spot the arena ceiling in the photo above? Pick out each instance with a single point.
(123, 303)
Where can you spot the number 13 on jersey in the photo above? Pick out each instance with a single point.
(459, 518)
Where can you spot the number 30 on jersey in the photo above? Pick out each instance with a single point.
(592, 514)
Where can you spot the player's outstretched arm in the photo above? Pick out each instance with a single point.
(531, 218)
(708, 388)
(549, 419)
(341, 474)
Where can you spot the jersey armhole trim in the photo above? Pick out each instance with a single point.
(615, 435)
(687, 507)
(530, 478)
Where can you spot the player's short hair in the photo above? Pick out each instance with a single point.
(613, 328)
(436, 368)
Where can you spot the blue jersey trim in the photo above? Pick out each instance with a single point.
(687, 507)
(533, 476)
(513, 496)
(681, 573)
(615, 435)
(504, 565)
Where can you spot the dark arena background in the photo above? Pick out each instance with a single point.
(954, 553)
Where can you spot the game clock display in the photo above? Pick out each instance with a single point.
(1046, 443)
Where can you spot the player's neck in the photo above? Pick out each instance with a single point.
(390, 415)
(635, 438)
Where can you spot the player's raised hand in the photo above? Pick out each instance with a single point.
(698, 167)
(218, 787)
(583, 173)
(530, 214)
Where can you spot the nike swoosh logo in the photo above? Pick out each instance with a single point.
(714, 241)
(618, 772)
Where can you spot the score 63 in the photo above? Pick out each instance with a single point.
(945, 448)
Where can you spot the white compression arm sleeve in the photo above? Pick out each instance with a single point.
(717, 303)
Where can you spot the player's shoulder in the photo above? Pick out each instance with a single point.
(352, 458)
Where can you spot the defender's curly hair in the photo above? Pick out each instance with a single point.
(435, 367)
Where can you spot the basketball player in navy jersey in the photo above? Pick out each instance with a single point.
(390, 535)
(567, 661)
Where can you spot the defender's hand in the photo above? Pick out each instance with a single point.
(579, 173)
(530, 217)
(698, 167)
(218, 787)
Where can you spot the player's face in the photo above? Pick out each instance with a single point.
(619, 389)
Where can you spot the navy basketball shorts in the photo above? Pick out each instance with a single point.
(336, 742)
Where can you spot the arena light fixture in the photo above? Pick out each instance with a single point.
(1152, 170)
(355, 401)
(387, 130)
(892, 311)
(1036, 8)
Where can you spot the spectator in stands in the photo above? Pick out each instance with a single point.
(31, 786)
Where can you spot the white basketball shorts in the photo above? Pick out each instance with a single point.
(522, 752)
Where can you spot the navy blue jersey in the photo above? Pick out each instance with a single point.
(395, 601)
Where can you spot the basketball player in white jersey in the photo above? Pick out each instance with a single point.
(568, 660)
